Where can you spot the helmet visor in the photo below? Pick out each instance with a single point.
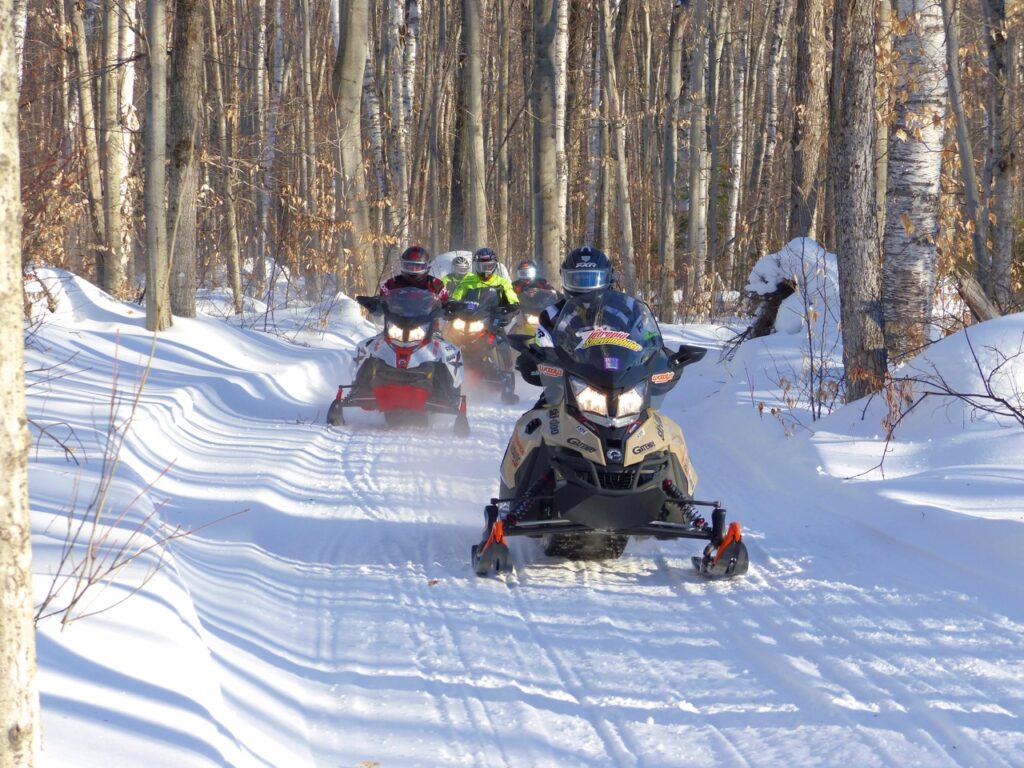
(584, 279)
(460, 267)
(485, 267)
(526, 273)
(415, 266)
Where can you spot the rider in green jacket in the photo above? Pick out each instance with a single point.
(485, 275)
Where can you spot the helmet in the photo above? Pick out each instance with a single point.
(485, 261)
(526, 270)
(460, 266)
(415, 261)
(586, 269)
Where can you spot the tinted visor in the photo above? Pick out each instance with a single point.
(526, 273)
(584, 279)
(415, 267)
(485, 267)
(460, 267)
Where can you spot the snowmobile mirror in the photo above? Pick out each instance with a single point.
(687, 354)
(372, 304)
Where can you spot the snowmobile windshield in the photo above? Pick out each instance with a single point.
(412, 306)
(536, 300)
(609, 337)
(486, 297)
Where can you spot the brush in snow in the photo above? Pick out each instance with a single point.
(596, 463)
(478, 328)
(406, 372)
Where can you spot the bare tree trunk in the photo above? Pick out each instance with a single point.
(89, 133)
(20, 724)
(347, 84)
(1002, 34)
(852, 150)
(915, 163)
(20, 13)
(309, 263)
(739, 79)
(398, 154)
(227, 171)
(595, 150)
(977, 214)
(184, 140)
(268, 147)
(883, 96)
(473, 123)
(808, 118)
(547, 229)
(504, 71)
(697, 244)
(780, 24)
(618, 125)
(113, 138)
(158, 300)
(719, 21)
(259, 272)
(434, 147)
(667, 217)
(561, 88)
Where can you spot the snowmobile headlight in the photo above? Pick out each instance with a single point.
(588, 399)
(533, 319)
(459, 324)
(394, 332)
(418, 334)
(476, 326)
(632, 400)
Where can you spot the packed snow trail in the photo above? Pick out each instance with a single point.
(337, 622)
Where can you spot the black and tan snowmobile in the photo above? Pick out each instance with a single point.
(595, 463)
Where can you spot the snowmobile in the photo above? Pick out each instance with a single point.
(479, 329)
(407, 372)
(533, 300)
(595, 462)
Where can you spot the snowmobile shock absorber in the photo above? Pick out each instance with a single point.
(688, 511)
(527, 498)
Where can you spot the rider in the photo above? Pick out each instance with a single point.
(485, 275)
(460, 268)
(526, 277)
(586, 270)
(415, 273)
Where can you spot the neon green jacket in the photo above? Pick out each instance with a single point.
(473, 282)
(451, 281)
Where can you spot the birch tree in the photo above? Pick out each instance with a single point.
(915, 164)
(852, 151)
(184, 137)
(19, 700)
(697, 243)
(474, 167)
(667, 218)
(547, 227)
(158, 300)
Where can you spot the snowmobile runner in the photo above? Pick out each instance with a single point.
(479, 329)
(406, 372)
(598, 463)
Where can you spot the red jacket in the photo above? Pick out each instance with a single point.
(426, 282)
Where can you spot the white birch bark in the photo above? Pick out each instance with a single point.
(112, 136)
(697, 236)
(561, 86)
(20, 27)
(158, 302)
(399, 121)
(738, 62)
(915, 164)
(410, 60)
(667, 214)
(545, 82)
(308, 191)
(259, 269)
(20, 724)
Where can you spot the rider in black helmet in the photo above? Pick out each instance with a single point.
(585, 270)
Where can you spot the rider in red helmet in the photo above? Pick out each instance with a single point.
(415, 273)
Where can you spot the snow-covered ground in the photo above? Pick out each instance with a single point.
(326, 615)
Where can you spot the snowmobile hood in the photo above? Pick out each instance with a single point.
(610, 339)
